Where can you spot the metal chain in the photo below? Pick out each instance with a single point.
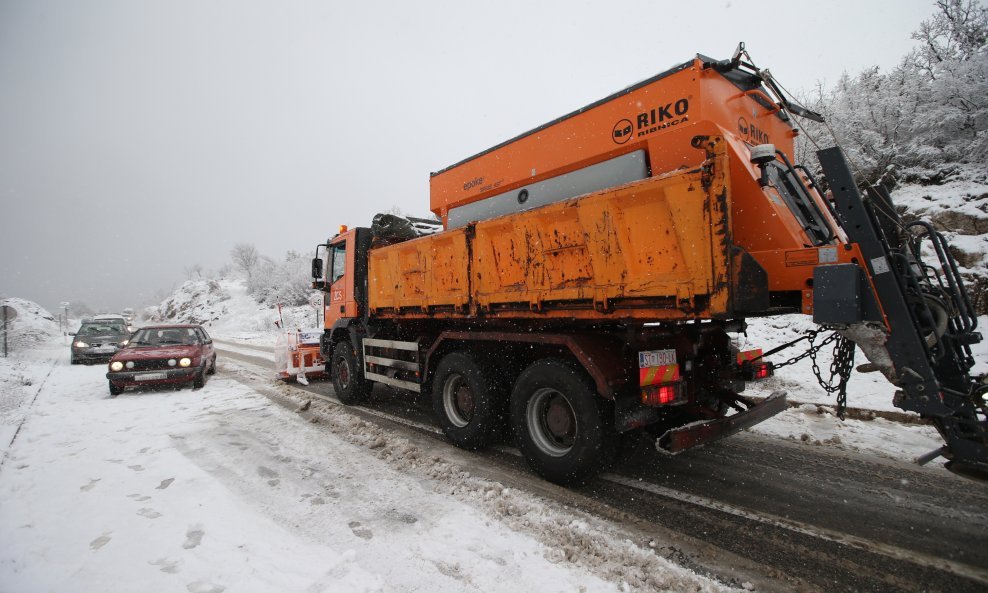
(840, 366)
(810, 336)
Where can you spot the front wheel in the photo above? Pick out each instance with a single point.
(114, 390)
(559, 423)
(348, 379)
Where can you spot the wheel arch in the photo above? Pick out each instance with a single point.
(594, 355)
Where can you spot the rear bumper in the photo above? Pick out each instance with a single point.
(131, 378)
(692, 435)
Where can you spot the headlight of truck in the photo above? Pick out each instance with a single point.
(81, 344)
(116, 365)
(184, 362)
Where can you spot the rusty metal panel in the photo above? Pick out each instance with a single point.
(654, 250)
(629, 252)
(420, 276)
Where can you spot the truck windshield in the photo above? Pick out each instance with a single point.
(339, 262)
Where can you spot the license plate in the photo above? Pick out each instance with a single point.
(656, 358)
(104, 349)
(149, 377)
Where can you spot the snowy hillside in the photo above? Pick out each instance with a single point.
(226, 309)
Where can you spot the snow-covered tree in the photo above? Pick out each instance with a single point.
(929, 111)
(245, 257)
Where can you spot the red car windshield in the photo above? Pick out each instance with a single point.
(170, 336)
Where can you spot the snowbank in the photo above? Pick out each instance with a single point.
(229, 313)
(33, 325)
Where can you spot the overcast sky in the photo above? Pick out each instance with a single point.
(138, 138)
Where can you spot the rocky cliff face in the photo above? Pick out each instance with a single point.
(956, 203)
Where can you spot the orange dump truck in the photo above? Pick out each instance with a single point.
(583, 280)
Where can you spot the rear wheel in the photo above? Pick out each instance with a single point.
(559, 423)
(212, 366)
(114, 390)
(348, 379)
(466, 403)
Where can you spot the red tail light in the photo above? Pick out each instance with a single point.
(663, 395)
(751, 371)
(763, 370)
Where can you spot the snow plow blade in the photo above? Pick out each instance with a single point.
(692, 435)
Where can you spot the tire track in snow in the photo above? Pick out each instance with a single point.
(852, 543)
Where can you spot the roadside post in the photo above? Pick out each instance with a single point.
(65, 316)
(8, 314)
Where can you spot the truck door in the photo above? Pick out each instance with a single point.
(340, 301)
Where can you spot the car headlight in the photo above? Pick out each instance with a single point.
(116, 365)
(185, 362)
(124, 343)
(81, 344)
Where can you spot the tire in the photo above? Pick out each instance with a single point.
(348, 378)
(559, 423)
(115, 391)
(212, 367)
(72, 360)
(467, 404)
(199, 381)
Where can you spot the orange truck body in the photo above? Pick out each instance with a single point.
(671, 246)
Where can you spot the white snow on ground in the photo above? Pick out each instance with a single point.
(865, 390)
(221, 489)
(816, 423)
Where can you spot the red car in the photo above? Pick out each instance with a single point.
(162, 355)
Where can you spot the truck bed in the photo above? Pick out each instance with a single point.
(652, 250)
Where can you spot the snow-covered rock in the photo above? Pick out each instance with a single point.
(32, 325)
(957, 205)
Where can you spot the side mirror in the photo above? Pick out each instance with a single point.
(70, 334)
(316, 268)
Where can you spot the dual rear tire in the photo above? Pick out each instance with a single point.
(559, 421)
(466, 401)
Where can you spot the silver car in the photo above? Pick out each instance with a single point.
(97, 340)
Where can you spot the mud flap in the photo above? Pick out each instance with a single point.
(692, 435)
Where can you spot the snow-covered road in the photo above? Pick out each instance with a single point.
(223, 490)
